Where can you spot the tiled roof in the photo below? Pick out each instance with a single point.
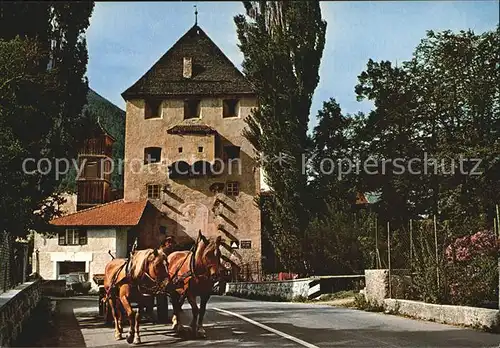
(212, 71)
(115, 213)
(191, 129)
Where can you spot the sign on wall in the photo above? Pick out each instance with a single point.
(235, 244)
(246, 244)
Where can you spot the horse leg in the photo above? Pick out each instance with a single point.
(203, 307)
(194, 309)
(150, 311)
(176, 317)
(115, 310)
(124, 297)
(120, 317)
(137, 337)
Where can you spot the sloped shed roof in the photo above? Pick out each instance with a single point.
(115, 213)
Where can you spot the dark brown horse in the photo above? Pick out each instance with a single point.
(145, 274)
(193, 274)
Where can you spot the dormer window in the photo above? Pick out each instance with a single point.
(191, 109)
(230, 108)
(187, 68)
(152, 109)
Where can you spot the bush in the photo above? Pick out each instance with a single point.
(472, 269)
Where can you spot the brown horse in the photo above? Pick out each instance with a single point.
(193, 274)
(145, 273)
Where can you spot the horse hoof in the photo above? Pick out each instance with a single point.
(201, 333)
(130, 339)
(137, 340)
(118, 337)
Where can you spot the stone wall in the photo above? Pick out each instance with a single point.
(16, 306)
(280, 290)
(479, 318)
(377, 293)
(189, 204)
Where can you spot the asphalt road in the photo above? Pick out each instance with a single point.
(232, 322)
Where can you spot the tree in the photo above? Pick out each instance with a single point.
(43, 88)
(444, 105)
(282, 44)
(335, 140)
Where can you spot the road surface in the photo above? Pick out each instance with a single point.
(233, 322)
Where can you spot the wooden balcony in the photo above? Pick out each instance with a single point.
(100, 146)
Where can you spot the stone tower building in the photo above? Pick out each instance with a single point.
(184, 147)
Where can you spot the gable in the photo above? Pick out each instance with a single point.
(212, 71)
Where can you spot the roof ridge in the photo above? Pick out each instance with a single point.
(88, 209)
(136, 87)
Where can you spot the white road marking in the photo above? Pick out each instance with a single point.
(265, 327)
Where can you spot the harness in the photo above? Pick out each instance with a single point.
(155, 289)
(176, 280)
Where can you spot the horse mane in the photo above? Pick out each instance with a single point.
(138, 262)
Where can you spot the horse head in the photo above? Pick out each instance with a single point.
(208, 256)
(153, 264)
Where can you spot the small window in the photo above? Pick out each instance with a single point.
(152, 155)
(191, 109)
(230, 108)
(62, 238)
(152, 109)
(73, 237)
(180, 149)
(91, 170)
(231, 152)
(200, 148)
(154, 191)
(233, 188)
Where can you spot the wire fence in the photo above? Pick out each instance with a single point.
(13, 262)
(427, 261)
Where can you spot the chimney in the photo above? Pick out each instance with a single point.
(187, 68)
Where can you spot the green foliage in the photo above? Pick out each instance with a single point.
(444, 103)
(337, 241)
(43, 88)
(282, 44)
(338, 295)
(361, 303)
(112, 119)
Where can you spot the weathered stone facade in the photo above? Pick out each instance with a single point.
(191, 203)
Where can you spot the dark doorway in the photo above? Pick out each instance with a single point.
(71, 267)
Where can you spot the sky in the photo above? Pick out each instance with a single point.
(125, 39)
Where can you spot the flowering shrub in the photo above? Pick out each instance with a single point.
(467, 248)
(472, 268)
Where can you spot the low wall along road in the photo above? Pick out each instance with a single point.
(16, 307)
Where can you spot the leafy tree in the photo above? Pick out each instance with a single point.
(443, 104)
(282, 44)
(43, 88)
